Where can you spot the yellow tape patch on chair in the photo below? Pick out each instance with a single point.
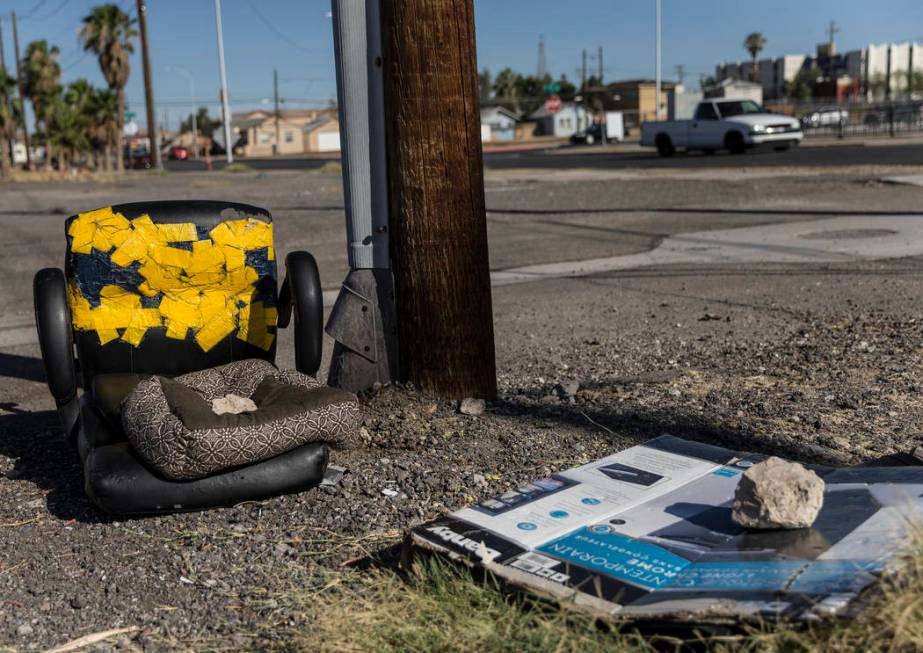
(170, 275)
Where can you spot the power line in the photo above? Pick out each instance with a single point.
(272, 28)
(38, 5)
(54, 11)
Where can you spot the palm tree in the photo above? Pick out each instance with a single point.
(66, 131)
(7, 120)
(42, 76)
(108, 32)
(754, 44)
(77, 99)
(102, 113)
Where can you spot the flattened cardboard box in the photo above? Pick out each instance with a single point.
(647, 533)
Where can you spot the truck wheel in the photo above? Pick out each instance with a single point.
(734, 143)
(664, 145)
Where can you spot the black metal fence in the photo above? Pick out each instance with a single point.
(844, 120)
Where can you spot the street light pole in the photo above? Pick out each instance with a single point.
(657, 57)
(225, 111)
(195, 120)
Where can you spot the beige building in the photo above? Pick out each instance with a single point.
(299, 132)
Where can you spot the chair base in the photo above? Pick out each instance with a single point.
(120, 484)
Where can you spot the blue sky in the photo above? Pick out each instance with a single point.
(294, 36)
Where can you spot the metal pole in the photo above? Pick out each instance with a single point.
(277, 148)
(362, 319)
(657, 57)
(22, 100)
(2, 54)
(225, 111)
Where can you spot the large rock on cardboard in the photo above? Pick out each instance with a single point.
(778, 494)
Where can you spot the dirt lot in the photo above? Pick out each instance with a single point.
(814, 362)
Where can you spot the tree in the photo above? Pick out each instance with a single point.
(801, 87)
(42, 84)
(877, 86)
(567, 90)
(103, 115)
(108, 32)
(531, 92)
(915, 82)
(66, 131)
(205, 124)
(506, 88)
(484, 85)
(754, 44)
(8, 120)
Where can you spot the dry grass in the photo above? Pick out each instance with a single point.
(237, 167)
(329, 168)
(441, 607)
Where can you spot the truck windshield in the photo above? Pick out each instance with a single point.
(739, 107)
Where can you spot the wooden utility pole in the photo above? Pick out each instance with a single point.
(436, 183)
(22, 101)
(152, 134)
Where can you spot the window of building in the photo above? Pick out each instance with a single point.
(264, 137)
(289, 137)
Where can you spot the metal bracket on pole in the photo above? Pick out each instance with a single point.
(362, 320)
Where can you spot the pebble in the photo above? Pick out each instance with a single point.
(25, 630)
(471, 406)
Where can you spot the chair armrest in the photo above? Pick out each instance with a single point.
(56, 339)
(302, 293)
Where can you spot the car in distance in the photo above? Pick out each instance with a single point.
(178, 153)
(831, 116)
(723, 124)
(590, 135)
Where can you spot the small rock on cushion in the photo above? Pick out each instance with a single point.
(170, 422)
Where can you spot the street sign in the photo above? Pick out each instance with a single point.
(552, 88)
(553, 104)
(129, 115)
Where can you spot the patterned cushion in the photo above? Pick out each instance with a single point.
(169, 424)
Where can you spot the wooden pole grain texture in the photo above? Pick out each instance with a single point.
(436, 184)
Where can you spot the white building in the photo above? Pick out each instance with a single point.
(498, 124)
(569, 120)
(882, 69)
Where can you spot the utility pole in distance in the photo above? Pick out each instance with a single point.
(22, 101)
(276, 149)
(152, 133)
(225, 110)
(436, 180)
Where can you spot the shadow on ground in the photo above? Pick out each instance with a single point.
(42, 455)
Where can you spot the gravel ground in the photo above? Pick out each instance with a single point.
(819, 363)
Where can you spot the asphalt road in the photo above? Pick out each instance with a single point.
(830, 155)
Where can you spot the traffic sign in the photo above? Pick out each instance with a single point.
(131, 128)
(553, 104)
(552, 88)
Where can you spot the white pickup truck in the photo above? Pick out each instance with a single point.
(723, 124)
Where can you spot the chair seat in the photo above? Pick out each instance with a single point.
(119, 483)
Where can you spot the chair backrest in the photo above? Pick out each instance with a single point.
(171, 287)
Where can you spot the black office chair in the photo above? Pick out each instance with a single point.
(166, 288)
